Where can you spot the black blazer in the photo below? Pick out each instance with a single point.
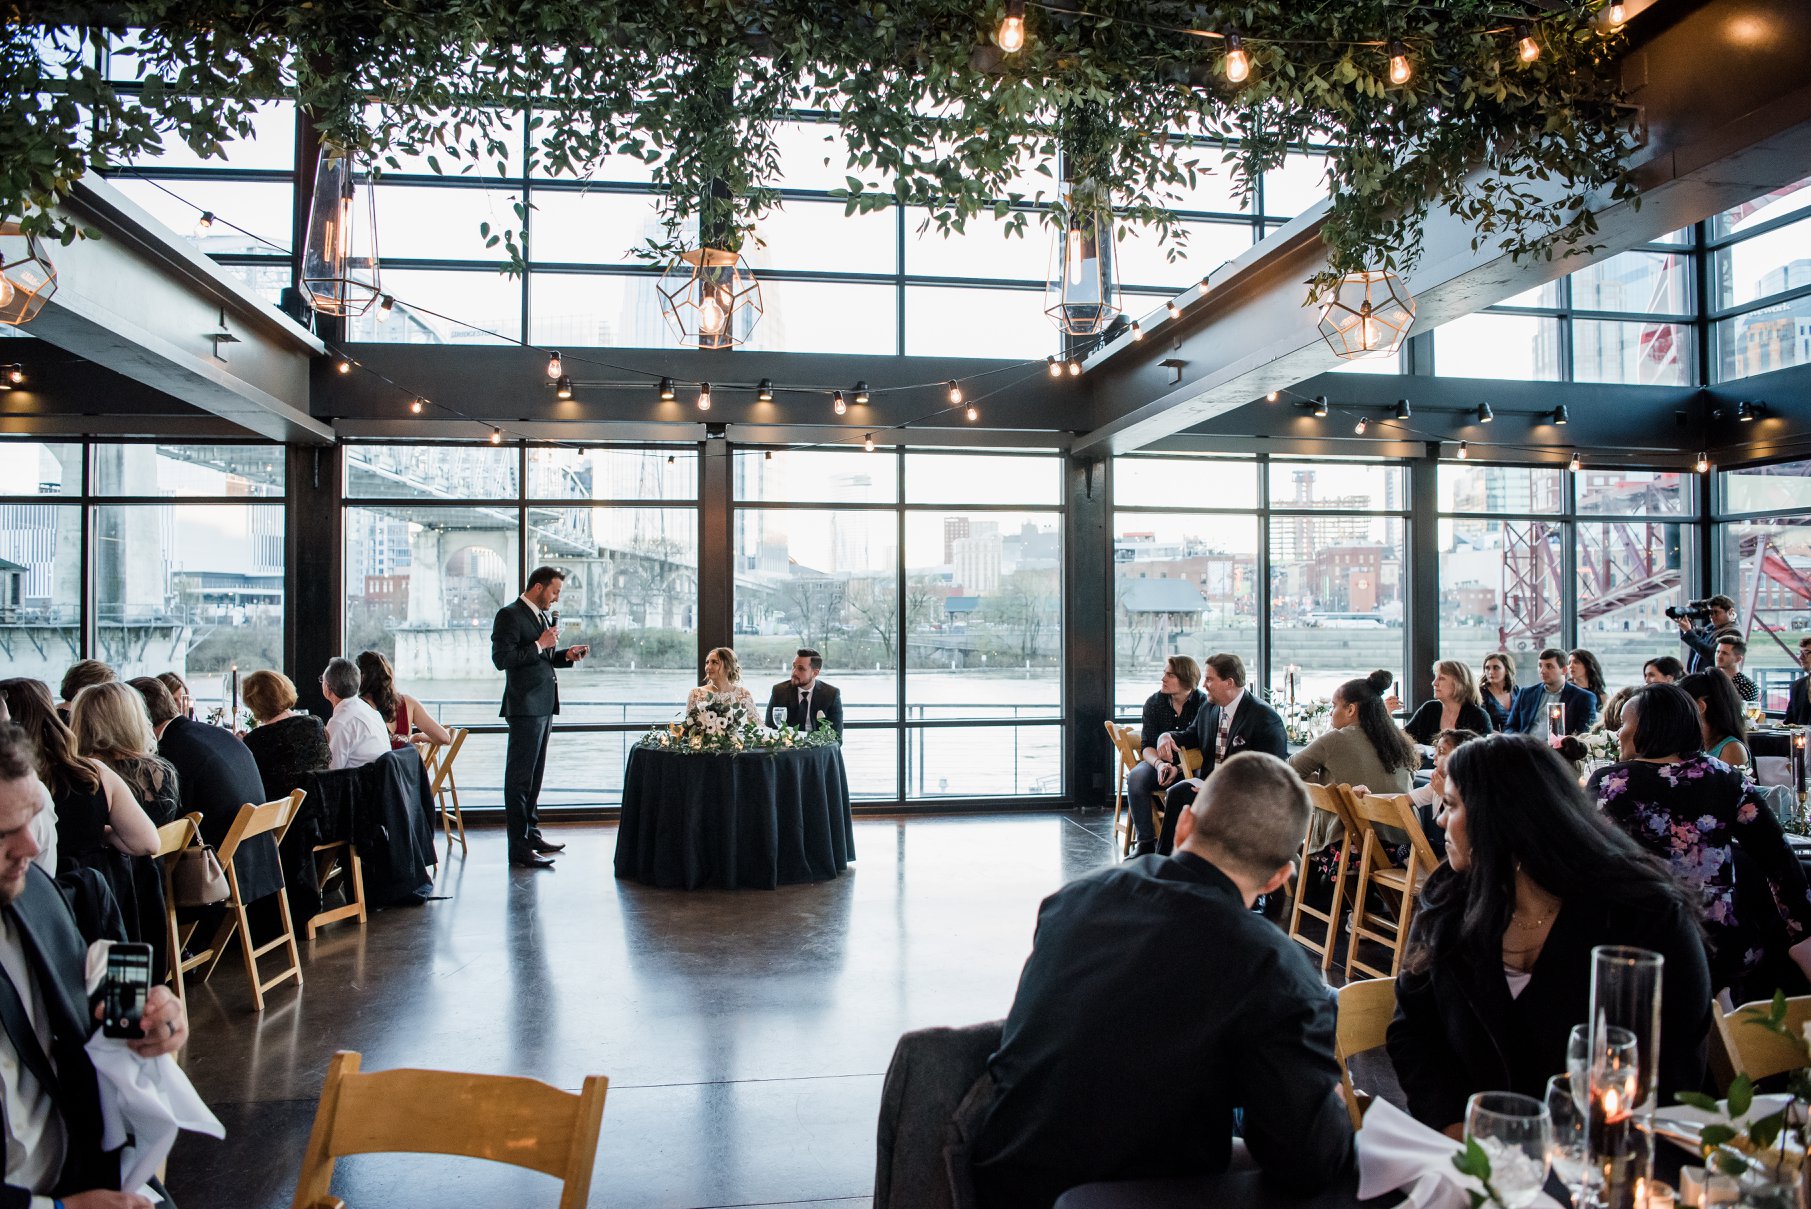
(1457, 1031)
(216, 772)
(56, 952)
(530, 688)
(1798, 702)
(1255, 727)
(1579, 705)
(1210, 1008)
(1425, 723)
(783, 705)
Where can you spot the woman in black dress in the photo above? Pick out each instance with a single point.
(1455, 705)
(1172, 707)
(286, 744)
(110, 725)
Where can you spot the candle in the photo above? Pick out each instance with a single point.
(1556, 720)
(232, 719)
(1798, 761)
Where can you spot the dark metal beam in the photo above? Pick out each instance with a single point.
(1725, 91)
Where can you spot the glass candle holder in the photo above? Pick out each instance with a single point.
(1625, 1070)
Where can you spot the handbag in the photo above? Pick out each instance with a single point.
(198, 880)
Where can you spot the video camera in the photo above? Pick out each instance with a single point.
(1693, 610)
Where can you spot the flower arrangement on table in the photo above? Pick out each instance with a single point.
(1303, 721)
(217, 717)
(717, 724)
(1589, 750)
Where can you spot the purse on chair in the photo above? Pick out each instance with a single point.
(198, 879)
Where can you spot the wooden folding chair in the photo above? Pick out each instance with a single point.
(1739, 1045)
(272, 818)
(1125, 742)
(1377, 871)
(443, 788)
(172, 838)
(343, 856)
(501, 1118)
(1326, 800)
(1362, 1023)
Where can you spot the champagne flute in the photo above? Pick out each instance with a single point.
(1516, 1134)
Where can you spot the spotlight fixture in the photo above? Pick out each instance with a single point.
(496, 436)
(1747, 412)
(563, 388)
(1271, 397)
(1526, 48)
(205, 223)
(555, 368)
(1400, 71)
(764, 393)
(1055, 366)
(671, 459)
(15, 375)
(1238, 63)
(1137, 332)
(704, 396)
(667, 394)
(1703, 464)
(768, 456)
(345, 366)
(386, 307)
(1576, 464)
(417, 404)
(1485, 415)
(1464, 451)
(1174, 310)
(1075, 368)
(1402, 409)
(1320, 407)
(861, 393)
(974, 413)
(1011, 35)
(868, 443)
(838, 405)
(955, 393)
(1360, 427)
(1560, 415)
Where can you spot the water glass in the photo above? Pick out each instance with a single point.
(1516, 1134)
(1570, 1149)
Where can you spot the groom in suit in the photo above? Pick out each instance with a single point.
(1231, 722)
(802, 698)
(524, 646)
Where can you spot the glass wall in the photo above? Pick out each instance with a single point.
(439, 537)
(152, 558)
(1765, 564)
(1760, 274)
(932, 585)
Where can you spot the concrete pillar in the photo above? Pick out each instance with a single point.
(427, 578)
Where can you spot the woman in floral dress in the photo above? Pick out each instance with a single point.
(1706, 820)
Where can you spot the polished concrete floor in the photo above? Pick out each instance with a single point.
(744, 1033)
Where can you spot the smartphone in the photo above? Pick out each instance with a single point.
(125, 989)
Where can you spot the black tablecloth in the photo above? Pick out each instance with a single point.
(762, 819)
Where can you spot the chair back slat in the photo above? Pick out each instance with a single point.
(1741, 1045)
(1362, 1022)
(1376, 808)
(173, 837)
(1192, 759)
(442, 769)
(272, 817)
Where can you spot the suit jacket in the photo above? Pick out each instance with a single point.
(215, 771)
(1255, 727)
(1229, 1014)
(56, 951)
(530, 689)
(1525, 714)
(1798, 702)
(826, 699)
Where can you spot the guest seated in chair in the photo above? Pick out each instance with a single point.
(80, 675)
(803, 697)
(1665, 670)
(1529, 714)
(1498, 968)
(1364, 746)
(1723, 725)
(403, 714)
(286, 744)
(1172, 707)
(1497, 694)
(1155, 1003)
(1798, 700)
(1232, 721)
(1731, 652)
(1456, 705)
(216, 773)
(356, 734)
(111, 725)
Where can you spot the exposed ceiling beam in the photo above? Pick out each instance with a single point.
(1725, 91)
(141, 301)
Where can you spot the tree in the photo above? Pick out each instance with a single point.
(814, 604)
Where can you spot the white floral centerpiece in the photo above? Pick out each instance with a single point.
(1303, 721)
(718, 723)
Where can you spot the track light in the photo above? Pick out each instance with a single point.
(496, 436)
(1360, 427)
(1560, 415)
(15, 375)
(1011, 35)
(861, 393)
(704, 396)
(1320, 407)
(1746, 411)
(1137, 332)
(838, 405)
(1055, 366)
(1526, 48)
(1238, 63)
(974, 413)
(1464, 451)
(563, 388)
(1402, 409)
(868, 443)
(1400, 71)
(345, 366)
(667, 394)
(1075, 368)
(555, 368)
(417, 404)
(1485, 415)
(1703, 463)
(1576, 464)
(764, 393)
(955, 394)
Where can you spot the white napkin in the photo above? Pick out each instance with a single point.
(148, 1098)
(1397, 1152)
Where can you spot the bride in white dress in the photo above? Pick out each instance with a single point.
(722, 681)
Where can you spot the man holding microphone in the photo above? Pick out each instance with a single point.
(524, 646)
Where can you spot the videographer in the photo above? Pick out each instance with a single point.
(1701, 623)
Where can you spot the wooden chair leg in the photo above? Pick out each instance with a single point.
(458, 814)
(1335, 907)
(223, 936)
(245, 945)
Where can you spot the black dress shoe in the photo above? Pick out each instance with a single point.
(1144, 848)
(546, 846)
(528, 860)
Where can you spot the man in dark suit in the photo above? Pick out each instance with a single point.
(1798, 701)
(1232, 721)
(215, 770)
(799, 700)
(524, 646)
(1221, 1009)
(1528, 712)
(50, 1129)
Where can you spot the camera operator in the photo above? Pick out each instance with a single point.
(1714, 618)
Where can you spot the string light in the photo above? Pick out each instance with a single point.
(1075, 368)
(1400, 71)
(345, 366)
(764, 394)
(955, 394)
(386, 307)
(1271, 397)
(861, 393)
(667, 394)
(1137, 332)
(417, 404)
(563, 388)
(837, 405)
(1703, 462)
(496, 436)
(1485, 415)
(1055, 366)
(1011, 35)
(1238, 63)
(1576, 464)
(704, 396)
(555, 368)
(868, 443)
(1464, 451)
(974, 413)
(1360, 427)
(1617, 12)
(205, 224)
(1174, 310)
(1526, 47)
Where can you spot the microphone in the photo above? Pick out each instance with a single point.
(553, 619)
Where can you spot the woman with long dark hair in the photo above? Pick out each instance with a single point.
(1722, 724)
(1498, 968)
(1497, 693)
(1583, 669)
(95, 807)
(1364, 747)
(402, 714)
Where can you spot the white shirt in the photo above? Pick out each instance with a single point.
(33, 1128)
(356, 734)
(44, 830)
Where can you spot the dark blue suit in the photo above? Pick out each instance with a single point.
(1255, 727)
(1525, 716)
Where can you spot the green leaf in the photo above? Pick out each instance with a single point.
(1741, 1095)
(1699, 1100)
(1716, 1135)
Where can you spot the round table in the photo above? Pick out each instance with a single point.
(761, 819)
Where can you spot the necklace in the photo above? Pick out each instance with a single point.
(1540, 922)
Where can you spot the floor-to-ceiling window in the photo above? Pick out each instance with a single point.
(1760, 283)
(1764, 547)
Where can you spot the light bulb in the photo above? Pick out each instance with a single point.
(1527, 47)
(1011, 35)
(555, 368)
(496, 436)
(1174, 310)
(861, 393)
(15, 374)
(415, 406)
(385, 308)
(1617, 13)
(1703, 463)
(1137, 332)
(1464, 451)
(1576, 464)
(1400, 71)
(711, 315)
(955, 392)
(1320, 407)
(704, 396)
(868, 444)
(6, 290)
(667, 393)
(1271, 397)
(345, 366)
(1056, 367)
(1363, 423)
(1075, 369)
(764, 391)
(205, 224)
(563, 388)
(974, 413)
(837, 404)
(1238, 63)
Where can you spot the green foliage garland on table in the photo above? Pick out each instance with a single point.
(716, 725)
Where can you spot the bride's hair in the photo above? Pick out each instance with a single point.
(732, 667)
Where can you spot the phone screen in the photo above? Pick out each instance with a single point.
(124, 992)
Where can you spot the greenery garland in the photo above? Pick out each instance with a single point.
(931, 112)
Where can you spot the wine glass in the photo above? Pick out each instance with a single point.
(1516, 1134)
(1569, 1132)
